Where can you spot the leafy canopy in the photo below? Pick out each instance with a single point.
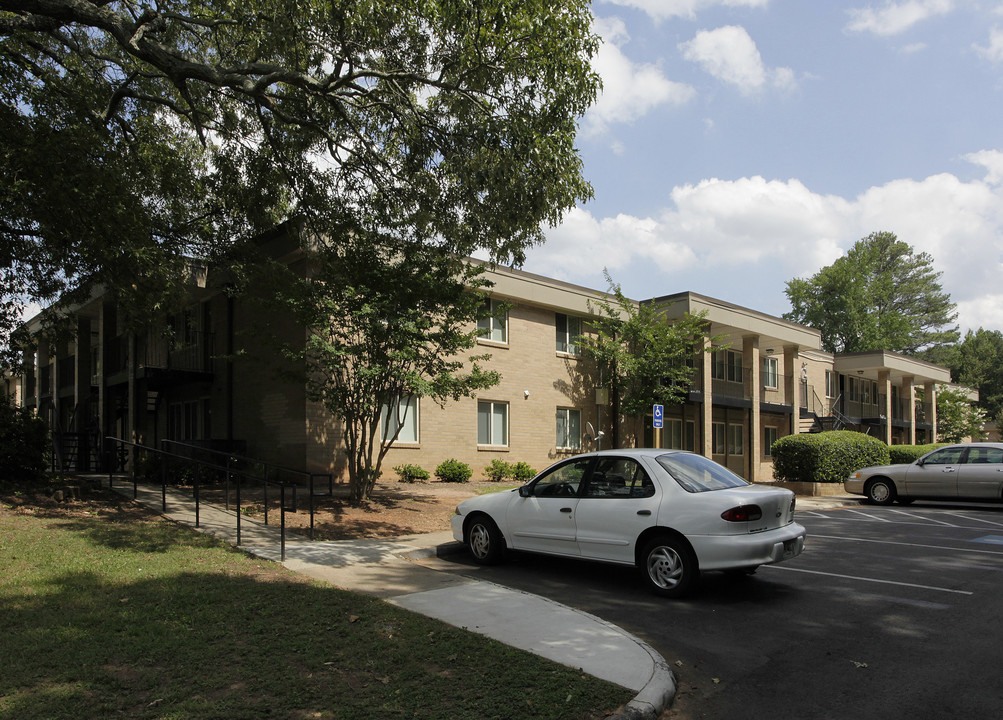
(141, 133)
(978, 364)
(881, 295)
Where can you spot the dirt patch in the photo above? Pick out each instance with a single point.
(394, 509)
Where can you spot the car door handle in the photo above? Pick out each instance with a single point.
(950, 469)
(566, 510)
(644, 512)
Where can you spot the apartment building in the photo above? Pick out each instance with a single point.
(760, 378)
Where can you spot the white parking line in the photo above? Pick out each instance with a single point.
(873, 580)
(921, 517)
(976, 519)
(915, 545)
(869, 517)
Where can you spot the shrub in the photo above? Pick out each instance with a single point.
(522, 472)
(497, 470)
(24, 443)
(827, 456)
(411, 473)
(453, 471)
(902, 454)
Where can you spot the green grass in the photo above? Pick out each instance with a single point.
(112, 612)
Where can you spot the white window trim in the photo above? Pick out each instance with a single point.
(567, 419)
(417, 421)
(570, 339)
(493, 404)
(491, 324)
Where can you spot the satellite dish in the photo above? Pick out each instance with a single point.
(591, 431)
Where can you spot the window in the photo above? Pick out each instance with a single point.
(494, 327)
(562, 481)
(769, 437)
(736, 440)
(718, 439)
(830, 384)
(614, 477)
(400, 415)
(569, 428)
(569, 329)
(727, 366)
(770, 375)
(695, 473)
(673, 434)
(492, 423)
(947, 456)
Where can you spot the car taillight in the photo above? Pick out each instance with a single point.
(743, 513)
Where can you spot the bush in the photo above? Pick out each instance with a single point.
(497, 470)
(453, 471)
(24, 443)
(902, 454)
(827, 456)
(522, 472)
(411, 473)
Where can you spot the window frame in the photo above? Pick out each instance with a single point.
(567, 413)
(491, 426)
(568, 337)
(767, 443)
(409, 418)
(488, 326)
(736, 440)
(719, 445)
(771, 373)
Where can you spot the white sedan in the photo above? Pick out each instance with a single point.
(671, 513)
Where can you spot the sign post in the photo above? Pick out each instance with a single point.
(657, 421)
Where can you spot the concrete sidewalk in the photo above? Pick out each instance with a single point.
(385, 568)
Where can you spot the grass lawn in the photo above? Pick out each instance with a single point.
(108, 611)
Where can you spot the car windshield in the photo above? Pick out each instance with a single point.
(695, 473)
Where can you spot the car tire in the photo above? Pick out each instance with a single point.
(485, 540)
(669, 566)
(881, 492)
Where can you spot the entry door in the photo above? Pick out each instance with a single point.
(938, 475)
(545, 521)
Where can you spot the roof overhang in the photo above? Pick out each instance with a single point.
(899, 367)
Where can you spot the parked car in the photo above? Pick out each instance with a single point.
(972, 471)
(671, 513)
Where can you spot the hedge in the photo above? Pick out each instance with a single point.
(904, 454)
(826, 456)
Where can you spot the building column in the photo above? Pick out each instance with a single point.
(909, 390)
(931, 397)
(792, 375)
(707, 409)
(753, 389)
(885, 388)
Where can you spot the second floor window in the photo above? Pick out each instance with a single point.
(770, 373)
(727, 366)
(569, 329)
(495, 326)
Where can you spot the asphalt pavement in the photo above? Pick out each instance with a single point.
(386, 568)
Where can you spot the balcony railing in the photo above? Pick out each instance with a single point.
(192, 355)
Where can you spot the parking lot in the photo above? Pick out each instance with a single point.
(891, 612)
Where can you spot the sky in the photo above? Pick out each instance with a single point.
(738, 144)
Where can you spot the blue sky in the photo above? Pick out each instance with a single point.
(741, 143)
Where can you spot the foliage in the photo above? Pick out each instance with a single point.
(642, 355)
(24, 443)
(881, 295)
(522, 472)
(957, 417)
(137, 135)
(978, 364)
(826, 456)
(383, 326)
(409, 473)
(497, 470)
(454, 471)
(904, 454)
(109, 610)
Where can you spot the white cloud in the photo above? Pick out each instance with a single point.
(993, 52)
(897, 17)
(730, 54)
(664, 9)
(630, 90)
(743, 239)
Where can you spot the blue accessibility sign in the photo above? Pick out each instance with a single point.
(657, 414)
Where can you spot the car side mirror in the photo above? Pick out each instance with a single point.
(525, 491)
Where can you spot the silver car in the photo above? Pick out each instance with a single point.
(670, 513)
(972, 471)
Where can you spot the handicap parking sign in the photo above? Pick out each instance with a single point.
(656, 412)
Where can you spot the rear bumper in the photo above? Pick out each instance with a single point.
(722, 552)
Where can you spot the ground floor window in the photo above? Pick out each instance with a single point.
(718, 446)
(400, 415)
(736, 440)
(492, 423)
(569, 429)
(769, 437)
(674, 433)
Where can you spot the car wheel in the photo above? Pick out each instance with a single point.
(485, 540)
(669, 566)
(881, 492)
